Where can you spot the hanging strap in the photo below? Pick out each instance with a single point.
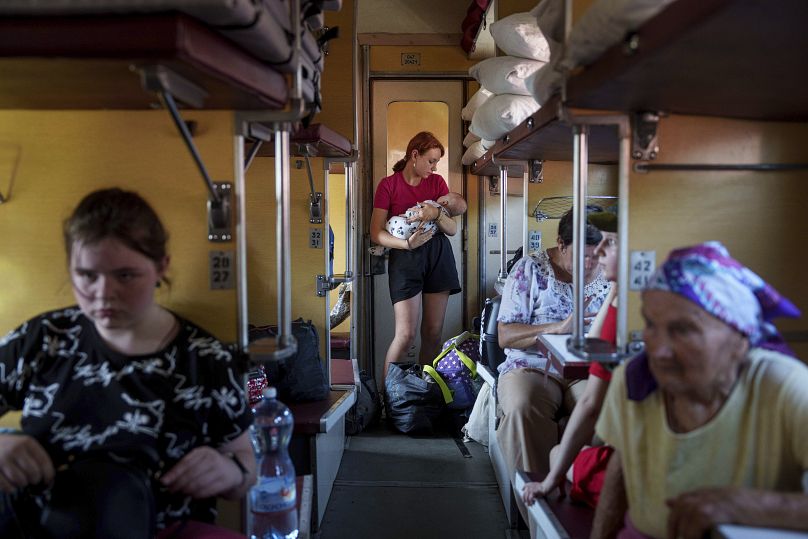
(447, 394)
(467, 361)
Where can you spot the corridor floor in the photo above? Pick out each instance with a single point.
(394, 486)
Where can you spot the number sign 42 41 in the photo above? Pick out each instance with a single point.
(641, 266)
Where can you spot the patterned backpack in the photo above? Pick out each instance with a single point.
(457, 366)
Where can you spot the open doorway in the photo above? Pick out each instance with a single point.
(401, 108)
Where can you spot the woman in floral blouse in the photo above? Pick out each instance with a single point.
(538, 299)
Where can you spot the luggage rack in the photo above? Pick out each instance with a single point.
(556, 207)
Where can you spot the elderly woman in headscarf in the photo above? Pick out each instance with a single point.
(709, 424)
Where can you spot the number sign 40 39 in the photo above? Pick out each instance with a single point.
(221, 267)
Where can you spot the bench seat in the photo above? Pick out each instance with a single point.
(554, 517)
(318, 442)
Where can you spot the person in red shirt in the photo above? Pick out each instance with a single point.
(588, 465)
(422, 269)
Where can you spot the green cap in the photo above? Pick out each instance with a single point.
(605, 221)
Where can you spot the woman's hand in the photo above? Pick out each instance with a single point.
(23, 462)
(535, 489)
(565, 326)
(420, 237)
(426, 212)
(202, 473)
(694, 513)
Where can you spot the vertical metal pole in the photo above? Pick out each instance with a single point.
(503, 221)
(329, 271)
(352, 263)
(580, 178)
(363, 295)
(241, 244)
(525, 208)
(297, 77)
(283, 243)
(622, 236)
(349, 219)
(482, 224)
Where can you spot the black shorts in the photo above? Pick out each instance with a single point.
(429, 269)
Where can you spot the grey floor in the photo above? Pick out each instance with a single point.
(395, 486)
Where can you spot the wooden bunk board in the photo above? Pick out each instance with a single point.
(315, 140)
(486, 166)
(548, 137)
(91, 63)
(731, 58)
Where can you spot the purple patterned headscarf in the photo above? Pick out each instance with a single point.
(709, 277)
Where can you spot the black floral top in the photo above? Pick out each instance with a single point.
(78, 396)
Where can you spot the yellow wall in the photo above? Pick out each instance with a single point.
(64, 155)
(307, 262)
(758, 216)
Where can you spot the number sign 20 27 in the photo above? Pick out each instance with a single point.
(221, 267)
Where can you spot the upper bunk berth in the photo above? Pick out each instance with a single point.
(315, 140)
(730, 58)
(546, 135)
(92, 62)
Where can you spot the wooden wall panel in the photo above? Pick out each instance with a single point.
(759, 216)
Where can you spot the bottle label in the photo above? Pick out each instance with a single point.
(273, 494)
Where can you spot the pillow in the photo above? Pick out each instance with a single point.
(505, 74)
(474, 152)
(487, 144)
(470, 139)
(476, 100)
(519, 35)
(500, 114)
(550, 20)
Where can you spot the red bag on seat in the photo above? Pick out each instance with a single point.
(588, 474)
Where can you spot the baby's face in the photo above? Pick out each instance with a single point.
(449, 202)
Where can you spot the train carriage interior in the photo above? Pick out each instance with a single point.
(267, 136)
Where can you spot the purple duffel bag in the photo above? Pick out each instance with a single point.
(457, 366)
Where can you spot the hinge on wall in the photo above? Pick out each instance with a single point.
(493, 185)
(536, 171)
(220, 214)
(644, 144)
(315, 208)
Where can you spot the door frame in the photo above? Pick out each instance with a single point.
(366, 192)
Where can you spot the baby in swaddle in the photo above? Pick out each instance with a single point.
(397, 226)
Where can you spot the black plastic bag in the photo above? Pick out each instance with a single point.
(368, 408)
(414, 405)
(300, 377)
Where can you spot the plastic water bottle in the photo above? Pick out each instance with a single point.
(273, 499)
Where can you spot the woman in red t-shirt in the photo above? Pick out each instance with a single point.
(590, 464)
(422, 270)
